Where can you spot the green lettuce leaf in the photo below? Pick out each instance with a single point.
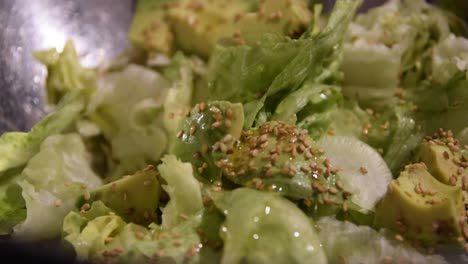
(397, 37)
(51, 183)
(12, 205)
(179, 96)
(18, 147)
(265, 228)
(99, 235)
(344, 241)
(183, 189)
(128, 108)
(65, 73)
(256, 75)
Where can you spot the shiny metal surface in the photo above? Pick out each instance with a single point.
(98, 27)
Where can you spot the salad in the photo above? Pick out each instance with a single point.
(253, 132)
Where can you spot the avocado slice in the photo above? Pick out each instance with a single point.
(199, 24)
(205, 125)
(445, 160)
(149, 29)
(134, 197)
(279, 157)
(422, 208)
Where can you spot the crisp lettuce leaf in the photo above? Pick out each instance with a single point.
(397, 37)
(183, 189)
(99, 235)
(362, 244)
(265, 228)
(65, 73)
(12, 205)
(128, 108)
(51, 183)
(179, 96)
(18, 147)
(256, 75)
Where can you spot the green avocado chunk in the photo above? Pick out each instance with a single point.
(150, 30)
(134, 197)
(280, 158)
(199, 24)
(421, 208)
(205, 125)
(446, 160)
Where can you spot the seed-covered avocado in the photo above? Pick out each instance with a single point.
(205, 125)
(199, 24)
(279, 157)
(134, 197)
(421, 208)
(150, 30)
(445, 160)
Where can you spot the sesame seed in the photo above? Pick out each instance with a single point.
(254, 153)
(204, 148)
(139, 235)
(399, 237)
(216, 124)
(228, 138)
(228, 123)
(344, 207)
(223, 147)
(85, 207)
(192, 130)
(183, 216)
(58, 203)
(229, 114)
(339, 184)
(363, 170)
(446, 155)
(87, 196)
(332, 190)
(453, 180)
(202, 106)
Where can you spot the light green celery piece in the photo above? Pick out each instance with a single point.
(265, 228)
(362, 244)
(128, 108)
(18, 147)
(51, 184)
(97, 234)
(65, 73)
(183, 189)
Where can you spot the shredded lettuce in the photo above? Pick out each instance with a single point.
(99, 235)
(127, 107)
(18, 147)
(65, 73)
(256, 75)
(51, 183)
(183, 189)
(344, 241)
